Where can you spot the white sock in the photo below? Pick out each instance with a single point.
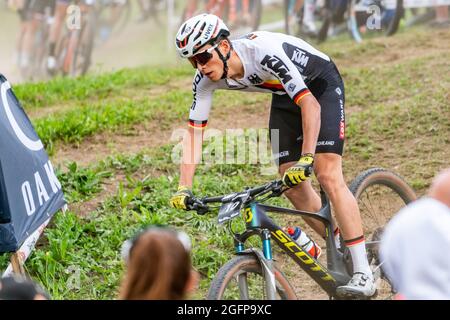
(359, 257)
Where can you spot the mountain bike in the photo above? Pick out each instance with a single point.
(252, 273)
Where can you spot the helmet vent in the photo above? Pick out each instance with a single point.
(184, 28)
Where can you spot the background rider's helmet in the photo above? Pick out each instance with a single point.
(199, 31)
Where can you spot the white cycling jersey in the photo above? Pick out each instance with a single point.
(273, 62)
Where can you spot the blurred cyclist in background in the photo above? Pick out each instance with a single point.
(31, 13)
(55, 33)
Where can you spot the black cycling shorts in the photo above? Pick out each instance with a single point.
(286, 116)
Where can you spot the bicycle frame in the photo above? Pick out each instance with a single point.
(258, 223)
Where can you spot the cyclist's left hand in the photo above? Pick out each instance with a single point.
(300, 171)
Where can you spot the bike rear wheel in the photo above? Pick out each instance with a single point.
(242, 278)
(380, 194)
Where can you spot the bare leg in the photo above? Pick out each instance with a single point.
(328, 168)
(303, 197)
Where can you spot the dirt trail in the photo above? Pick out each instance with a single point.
(392, 51)
(150, 135)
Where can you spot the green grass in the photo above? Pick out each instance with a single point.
(119, 115)
(80, 122)
(94, 87)
(87, 249)
(79, 184)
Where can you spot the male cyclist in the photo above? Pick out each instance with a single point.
(307, 110)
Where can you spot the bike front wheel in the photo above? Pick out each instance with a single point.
(242, 278)
(380, 194)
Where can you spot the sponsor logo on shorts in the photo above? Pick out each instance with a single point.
(338, 91)
(281, 155)
(325, 143)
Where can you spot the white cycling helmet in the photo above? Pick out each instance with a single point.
(199, 31)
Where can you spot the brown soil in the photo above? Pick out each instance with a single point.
(393, 51)
(150, 135)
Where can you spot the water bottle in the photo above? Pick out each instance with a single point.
(305, 242)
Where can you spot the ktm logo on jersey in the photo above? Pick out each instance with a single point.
(279, 67)
(300, 57)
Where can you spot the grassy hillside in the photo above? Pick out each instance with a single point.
(398, 117)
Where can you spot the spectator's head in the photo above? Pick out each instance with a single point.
(21, 288)
(158, 266)
(440, 188)
(416, 242)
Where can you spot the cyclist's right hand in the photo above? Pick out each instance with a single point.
(182, 198)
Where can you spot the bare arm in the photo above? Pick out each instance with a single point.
(310, 109)
(192, 149)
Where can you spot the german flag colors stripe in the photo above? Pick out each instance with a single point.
(198, 124)
(300, 95)
(354, 241)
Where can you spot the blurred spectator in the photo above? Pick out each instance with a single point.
(158, 266)
(20, 288)
(416, 245)
(442, 20)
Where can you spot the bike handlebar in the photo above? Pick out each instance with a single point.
(200, 204)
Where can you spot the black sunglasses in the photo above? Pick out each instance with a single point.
(203, 57)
